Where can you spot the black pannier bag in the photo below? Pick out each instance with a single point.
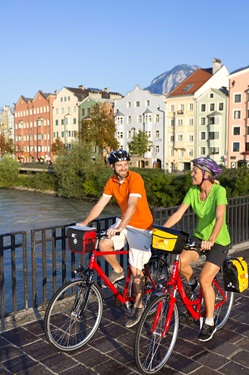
(81, 239)
(235, 274)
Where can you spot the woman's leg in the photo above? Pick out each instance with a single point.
(187, 257)
(207, 274)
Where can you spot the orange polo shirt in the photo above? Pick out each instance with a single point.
(133, 184)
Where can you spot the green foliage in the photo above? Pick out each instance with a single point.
(8, 171)
(99, 129)
(139, 144)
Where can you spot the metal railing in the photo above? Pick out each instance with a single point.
(32, 269)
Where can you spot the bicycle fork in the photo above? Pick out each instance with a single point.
(156, 328)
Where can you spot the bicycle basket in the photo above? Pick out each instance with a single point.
(168, 239)
(81, 239)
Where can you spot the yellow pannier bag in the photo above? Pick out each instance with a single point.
(235, 274)
(168, 239)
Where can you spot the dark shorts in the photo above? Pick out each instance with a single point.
(216, 255)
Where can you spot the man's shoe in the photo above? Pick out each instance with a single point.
(115, 276)
(136, 314)
(206, 332)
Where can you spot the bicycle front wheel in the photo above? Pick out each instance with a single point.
(152, 351)
(73, 315)
(222, 312)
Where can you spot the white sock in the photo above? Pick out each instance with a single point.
(209, 321)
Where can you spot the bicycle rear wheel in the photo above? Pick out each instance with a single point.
(151, 350)
(222, 313)
(73, 315)
(158, 267)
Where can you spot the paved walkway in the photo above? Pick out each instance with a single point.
(24, 350)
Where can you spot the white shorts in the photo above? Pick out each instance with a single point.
(139, 241)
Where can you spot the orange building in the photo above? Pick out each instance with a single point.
(34, 128)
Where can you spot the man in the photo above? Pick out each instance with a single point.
(127, 187)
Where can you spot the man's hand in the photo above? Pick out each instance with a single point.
(113, 232)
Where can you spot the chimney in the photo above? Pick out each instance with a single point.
(82, 87)
(106, 89)
(216, 65)
(56, 92)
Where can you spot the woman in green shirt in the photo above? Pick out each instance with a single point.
(208, 200)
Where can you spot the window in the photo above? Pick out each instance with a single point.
(214, 150)
(203, 107)
(191, 122)
(179, 137)
(157, 119)
(120, 134)
(212, 107)
(172, 108)
(139, 119)
(247, 146)
(128, 119)
(148, 133)
(213, 135)
(148, 118)
(147, 103)
(236, 130)
(172, 122)
(237, 98)
(211, 95)
(83, 112)
(203, 135)
(119, 120)
(61, 99)
(237, 114)
(221, 106)
(74, 120)
(157, 149)
(236, 146)
(214, 120)
(190, 152)
(203, 150)
(191, 138)
(128, 104)
(180, 122)
(137, 104)
(157, 134)
(191, 106)
(203, 120)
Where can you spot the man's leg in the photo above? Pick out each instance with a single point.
(138, 286)
(106, 244)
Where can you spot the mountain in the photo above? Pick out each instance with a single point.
(167, 81)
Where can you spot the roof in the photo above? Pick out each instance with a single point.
(83, 93)
(192, 83)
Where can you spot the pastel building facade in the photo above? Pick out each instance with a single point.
(238, 119)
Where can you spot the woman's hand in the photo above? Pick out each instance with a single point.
(206, 245)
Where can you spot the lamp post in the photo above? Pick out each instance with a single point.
(163, 112)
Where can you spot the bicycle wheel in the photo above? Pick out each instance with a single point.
(73, 315)
(151, 351)
(222, 313)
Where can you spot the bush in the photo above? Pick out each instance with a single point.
(8, 171)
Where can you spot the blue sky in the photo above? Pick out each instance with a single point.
(49, 44)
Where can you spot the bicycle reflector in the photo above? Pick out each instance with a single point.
(168, 239)
(81, 239)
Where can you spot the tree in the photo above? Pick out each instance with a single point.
(99, 128)
(140, 144)
(6, 146)
(8, 171)
(57, 146)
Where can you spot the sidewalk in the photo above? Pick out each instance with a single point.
(24, 350)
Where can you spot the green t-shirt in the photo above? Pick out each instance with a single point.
(206, 213)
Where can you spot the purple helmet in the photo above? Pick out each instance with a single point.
(209, 165)
(118, 155)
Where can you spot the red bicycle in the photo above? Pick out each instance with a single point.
(74, 313)
(157, 330)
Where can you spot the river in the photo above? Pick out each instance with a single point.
(25, 210)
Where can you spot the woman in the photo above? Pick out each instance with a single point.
(208, 200)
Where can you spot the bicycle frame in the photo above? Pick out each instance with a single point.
(122, 297)
(194, 307)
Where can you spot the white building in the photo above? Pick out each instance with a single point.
(142, 110)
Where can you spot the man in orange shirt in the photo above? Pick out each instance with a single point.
(127, 187)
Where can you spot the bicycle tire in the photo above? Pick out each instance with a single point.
(222, 313)
(68, 323)
(151, 351)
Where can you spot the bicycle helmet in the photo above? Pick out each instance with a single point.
(208, 165)
(118, 155)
